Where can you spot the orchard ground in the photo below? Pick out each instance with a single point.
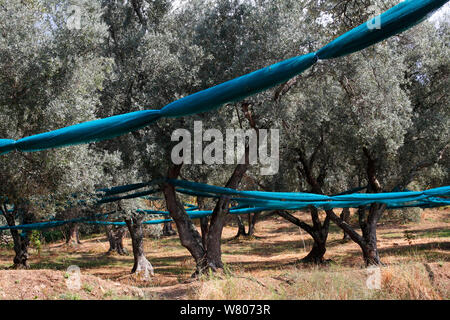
(416, 257)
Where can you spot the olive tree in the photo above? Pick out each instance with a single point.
(50, 78)
(364, 120)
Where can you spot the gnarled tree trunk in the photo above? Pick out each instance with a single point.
(204, 228)
(204, 222)
(316, 254)
(369, 233)
(115, 238)
(168, 230)
(318, 231)
(214, 238)
(189, 236)
(252, 219)
(72, 234)
(142, 266)
(21, 240)
(319, 234)
(21, 244)
(345, 216)
(241, 227)
(368, 241)
(209, 256)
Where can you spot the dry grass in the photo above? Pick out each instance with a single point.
(51, 285)
(410, 282)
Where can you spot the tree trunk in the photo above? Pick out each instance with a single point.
(208, 257)
(368, 241)
(189, 236)
(318, 231)
(369, 245)
(142, 267)
(369, 232)
(115, 237)
(72, 234)
(319, 234)
(218, 218)
(241, 227)
(370, 252)
(21, 240)
(345, 216)
(168, 230)
(252, 223)
(21, 243)
(316, 254)
(369, 226)
(214, 251)
(204, 222)
(204, 227)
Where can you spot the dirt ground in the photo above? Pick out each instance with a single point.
(275, 250)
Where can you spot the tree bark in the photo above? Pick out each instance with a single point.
(213, 240)
(72, 234)
(168, 230)
(21, 240)
(316, 255)
(367, 223)
(115, 238)
(209, 256)
(345, 216)
(252, 219)
(142, 267)
(189, 236)
(218, 218)
(241, 227)
(369, 233)
(368, 240)
(204, 222)
(204, 228)
(318, 231)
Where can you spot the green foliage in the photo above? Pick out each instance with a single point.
(403, 216)
(87, 287)
(50, 77)
(35, 240)
(52, 235)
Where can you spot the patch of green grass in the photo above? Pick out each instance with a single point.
(87, 287)
(84, 261)
(436, 234)
(108, 294)
(393, 235)
(4, 266)
(69, 296)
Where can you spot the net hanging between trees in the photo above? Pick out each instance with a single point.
(259, 201)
